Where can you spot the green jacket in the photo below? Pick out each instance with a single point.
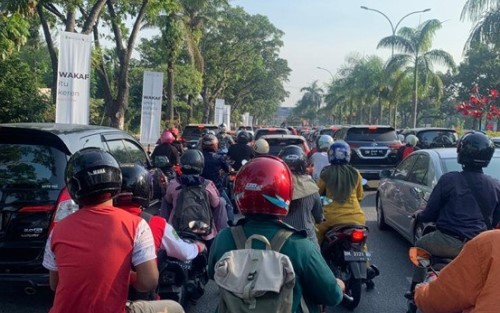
(314, 279)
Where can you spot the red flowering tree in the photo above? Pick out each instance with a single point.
(480, 105)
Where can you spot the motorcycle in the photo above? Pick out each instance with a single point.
(184, 281)
(422, 258)
(343, 250)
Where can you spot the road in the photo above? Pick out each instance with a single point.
(389, 252)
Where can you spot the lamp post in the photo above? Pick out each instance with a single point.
(394, 28)
(333, 78)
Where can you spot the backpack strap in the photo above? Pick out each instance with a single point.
(239, 236)
(279, 239)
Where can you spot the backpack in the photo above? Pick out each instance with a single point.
(193, 204)
(256, 280)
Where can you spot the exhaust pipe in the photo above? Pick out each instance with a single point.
(30, 290)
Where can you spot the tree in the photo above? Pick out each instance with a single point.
(417, 58)
(486, 16)
(480, 105)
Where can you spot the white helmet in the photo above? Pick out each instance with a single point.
(401, 137)
(261, 146)
(324, 142)
(223, 128)
(412, 140)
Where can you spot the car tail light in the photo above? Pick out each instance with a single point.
(357, 236)
(65, 206)
(395, 146)
(36, 208)
(372, 127)
(353, 145)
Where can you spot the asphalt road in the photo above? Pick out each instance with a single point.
(389, 252)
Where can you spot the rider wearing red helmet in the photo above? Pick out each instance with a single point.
(166, 148)
(263, 191)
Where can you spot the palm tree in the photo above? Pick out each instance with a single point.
(313, 95)
(416, 56)
(486, 16)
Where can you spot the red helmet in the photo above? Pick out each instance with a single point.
(167, 137)
(264, 186)
(174, 131)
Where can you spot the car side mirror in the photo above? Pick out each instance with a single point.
(385, 173)
(161, 161)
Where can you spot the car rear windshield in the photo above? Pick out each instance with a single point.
(196, 131)
(274, 131)
(328, 131)
(275, 145)
(25, 166)
(371, 134)
(438, 137)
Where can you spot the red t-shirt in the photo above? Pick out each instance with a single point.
(94, 250)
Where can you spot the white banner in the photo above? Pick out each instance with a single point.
(73, 78)
(152, 95)
(227, 115)
(220, 108)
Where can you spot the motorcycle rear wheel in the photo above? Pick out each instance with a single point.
(353, 289)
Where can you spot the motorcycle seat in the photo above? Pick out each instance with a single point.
(340, 228)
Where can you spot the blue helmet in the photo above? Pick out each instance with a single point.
(339, 152)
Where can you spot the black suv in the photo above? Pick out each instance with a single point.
(374, 148)
(192, 133)
(433, 137)
(33, 196)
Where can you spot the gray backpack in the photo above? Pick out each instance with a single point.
(256, 280)
(193, 204)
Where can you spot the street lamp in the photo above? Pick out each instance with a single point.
(394, 28)
(324, 69)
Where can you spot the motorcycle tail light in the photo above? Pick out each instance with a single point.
(357, 236)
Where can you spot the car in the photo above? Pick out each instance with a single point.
(433, 137)
(496, 141)
(270, 131)
(331, 130)
(192, 133)
(249, 129)
(374, 148)
(33, 196)
(404, 190)
(278, 142)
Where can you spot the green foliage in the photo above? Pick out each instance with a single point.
(20, 98)
(14, 31)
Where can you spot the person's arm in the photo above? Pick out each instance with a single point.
(144, 259)
(49, 262)
(317, 209)
(457, 286)
(322, 187)
(175, 155)
(434, 205)
(359, 188)
(318, 282)
(176, 247)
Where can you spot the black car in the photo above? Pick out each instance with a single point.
(33, 196)
(374, 148)
(193, 132)
(433, 137)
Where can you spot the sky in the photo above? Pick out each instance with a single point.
(322, 33)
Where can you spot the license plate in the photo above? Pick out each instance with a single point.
(357, 256)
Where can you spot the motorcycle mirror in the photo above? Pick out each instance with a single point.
(364, 182)
(420, 257)
(198, 227)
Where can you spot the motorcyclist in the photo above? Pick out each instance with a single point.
(320, 158)
(240, 150)
(166, 148)
(410, 146)
(134, 197)
(90, 254)
(178, 144)
(192, 163)
(342, 184)
(216, 169)
(469, 283)
(261, 147)
(225, 140)
(264, 186)
(459, 215)
(305, 209)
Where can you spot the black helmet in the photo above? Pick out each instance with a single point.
(295, 158)
(192, 162)
(475, 149)
(209, 142)
(92, 176)
(136, 186)
(243, 137)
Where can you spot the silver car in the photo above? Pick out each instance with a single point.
(405, 189)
